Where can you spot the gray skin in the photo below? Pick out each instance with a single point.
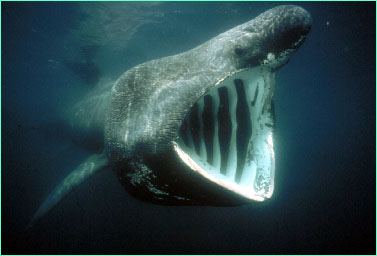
(137, 120)
(149, 102)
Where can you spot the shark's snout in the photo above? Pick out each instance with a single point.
(272, 37)
(288, 30)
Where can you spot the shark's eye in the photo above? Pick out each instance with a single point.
(239, 51)
(227, 134)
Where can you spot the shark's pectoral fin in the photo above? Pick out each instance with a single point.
(86, 169)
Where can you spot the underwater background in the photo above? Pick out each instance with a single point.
(324, 202)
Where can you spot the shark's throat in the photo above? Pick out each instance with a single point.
(227, 135)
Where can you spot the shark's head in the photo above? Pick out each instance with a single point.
(197, 128)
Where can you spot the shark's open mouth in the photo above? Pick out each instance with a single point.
(227, 135)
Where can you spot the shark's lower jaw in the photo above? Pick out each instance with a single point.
(227, 135)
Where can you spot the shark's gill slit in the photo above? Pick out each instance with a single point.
(194, 124)
(244, 128)
(255, 96)
(225, 128)
(202, 147)
(229, 137)
(183, 132)
(208, 127)
(232, 157)
(216, 145)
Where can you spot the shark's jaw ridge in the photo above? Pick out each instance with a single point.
(227, 135)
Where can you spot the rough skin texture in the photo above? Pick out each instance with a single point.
(149, 102)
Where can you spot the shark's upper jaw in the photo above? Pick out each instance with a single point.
(226, 137)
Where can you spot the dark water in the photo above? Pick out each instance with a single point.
(325, 194)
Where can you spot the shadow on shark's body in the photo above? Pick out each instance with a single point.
(195, 128)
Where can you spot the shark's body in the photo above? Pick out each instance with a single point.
(195, 128)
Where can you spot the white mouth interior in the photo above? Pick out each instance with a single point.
(227, 135)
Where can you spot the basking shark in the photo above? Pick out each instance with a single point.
(195, 128)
